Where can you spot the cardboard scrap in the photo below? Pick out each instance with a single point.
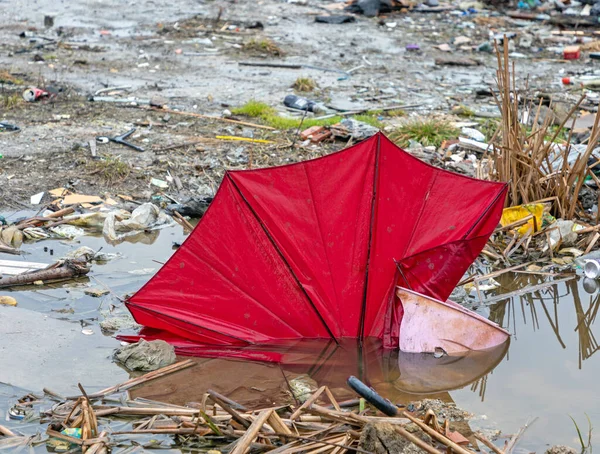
(73, 199)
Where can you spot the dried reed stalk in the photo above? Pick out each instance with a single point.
(537, 167)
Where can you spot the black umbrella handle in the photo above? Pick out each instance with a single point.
(371, 396)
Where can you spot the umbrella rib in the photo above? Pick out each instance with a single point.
(363, 310)
(289, 267)
(502, 191)
(323, 245)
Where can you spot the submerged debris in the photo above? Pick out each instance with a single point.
(145, 355)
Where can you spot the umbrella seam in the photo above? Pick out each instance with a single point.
(363, 311)
(324, 248)
(272, 240)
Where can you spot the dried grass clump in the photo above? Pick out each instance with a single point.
(537, 168)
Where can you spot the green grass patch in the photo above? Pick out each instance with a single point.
(263, 46)
(426, 132)
(269, 116)
(10, 101)
(110, 169)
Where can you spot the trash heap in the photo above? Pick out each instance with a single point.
(104, 420)
(67, 217)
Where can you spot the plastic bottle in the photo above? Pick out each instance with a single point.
(584, 82)
(297, 102)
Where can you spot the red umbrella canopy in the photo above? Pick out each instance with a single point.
(314, 249)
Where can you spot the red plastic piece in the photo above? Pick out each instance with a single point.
(571, 53)
(315, 249)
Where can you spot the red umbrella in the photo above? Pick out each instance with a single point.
(315, 249)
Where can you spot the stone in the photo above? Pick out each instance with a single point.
(146, 356)
(118, 323)
(382, 438)
(302, 387)
(561, 449)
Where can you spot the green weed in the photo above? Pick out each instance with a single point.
(110, 169)
(263, 46)
(584, 447)
(426, 132)
(304, 84)
(269, 116)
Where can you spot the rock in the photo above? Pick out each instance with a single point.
(146, 356)
(444, 410)
(587, 197)
(383, 439)
(118, 323)
(561, 449)
(302, 387)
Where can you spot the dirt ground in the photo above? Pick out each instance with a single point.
(186, 55)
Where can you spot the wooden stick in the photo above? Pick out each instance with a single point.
(438, 436)
(178, 431)
(332, 399)
(99, 445)
(416, 440)
(146, 411)
(514, 440)
(208, 117)
(488, 443)
(243, 444)
(592, 242)
(139, 380)
(225, 406)
(62, 272)
(56, 434)
(308, 402)
(526, 290)
(278, 425)
(231, 403)
(184, 221)
(7, 432)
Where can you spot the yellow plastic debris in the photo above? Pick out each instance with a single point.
(7, 301)
(516, 213)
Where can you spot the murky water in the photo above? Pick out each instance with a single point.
(550, 369)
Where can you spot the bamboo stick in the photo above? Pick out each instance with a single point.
(438, 436)
(243, 444)
(488, 443)
(139, 380)
(228, 408)
(6, 432)
(208, 117)
(102, 411)
(308, 402)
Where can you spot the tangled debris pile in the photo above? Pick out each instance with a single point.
(101, 421)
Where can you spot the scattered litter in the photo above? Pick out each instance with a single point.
(96, 292)
(37, 198)
(33, 94)
(159, 183)
(7, 301)
(335, 19)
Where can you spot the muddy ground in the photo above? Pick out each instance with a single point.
(186, 55)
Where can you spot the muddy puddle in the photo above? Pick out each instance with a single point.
(550, 369)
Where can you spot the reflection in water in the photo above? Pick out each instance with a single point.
(401, 377)
(548, 299)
